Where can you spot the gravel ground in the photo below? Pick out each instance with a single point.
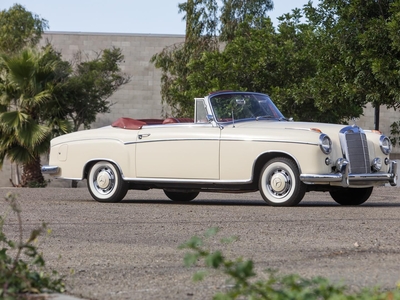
(129, 250)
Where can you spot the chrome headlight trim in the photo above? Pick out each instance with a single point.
(385, 144)
(325, 143)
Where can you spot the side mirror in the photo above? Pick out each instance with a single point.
(210, 118)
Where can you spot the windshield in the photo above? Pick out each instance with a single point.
(240, 106)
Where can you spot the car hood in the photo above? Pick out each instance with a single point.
(329, 129)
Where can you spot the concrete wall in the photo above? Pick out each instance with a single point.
(141, 97)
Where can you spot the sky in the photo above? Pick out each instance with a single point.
(121, 16)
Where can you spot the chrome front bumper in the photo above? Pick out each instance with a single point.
(346, 179)
(50, 169)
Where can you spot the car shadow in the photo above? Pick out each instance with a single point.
(244, 202)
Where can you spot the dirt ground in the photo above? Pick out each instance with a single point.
(129, 250)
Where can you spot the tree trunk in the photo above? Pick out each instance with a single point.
(32, 174)
(376, 116)
(15, 175)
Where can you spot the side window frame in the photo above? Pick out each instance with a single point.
(200, 111)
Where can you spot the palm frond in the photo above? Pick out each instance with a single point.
(13, 120)
(3, 155)
(43, 146)
(19, 154)
(32, 134)
(37, 99)
(7, 141)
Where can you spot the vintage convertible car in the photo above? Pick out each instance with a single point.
(237, 142)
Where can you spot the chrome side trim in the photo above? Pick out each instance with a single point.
(69, 178)
(88, 139)
(50, 169)
(222, 140)
(169, 140)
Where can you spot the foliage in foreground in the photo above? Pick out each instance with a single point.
(243, 282)
(23, 271)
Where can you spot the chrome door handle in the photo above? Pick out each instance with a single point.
(140, 136)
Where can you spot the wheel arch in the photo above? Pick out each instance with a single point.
(266, 156)
(89, 164)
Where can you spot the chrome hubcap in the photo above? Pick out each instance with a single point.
(279, 183)
(104, 180)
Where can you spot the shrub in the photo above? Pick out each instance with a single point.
(22, 267)
(244, 284)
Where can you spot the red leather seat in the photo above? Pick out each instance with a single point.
(128, 123)
(178, 120)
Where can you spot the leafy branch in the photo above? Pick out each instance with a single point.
(24, 272)
(244, 283)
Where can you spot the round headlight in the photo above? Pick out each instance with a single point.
(325, 143)
(386, 145)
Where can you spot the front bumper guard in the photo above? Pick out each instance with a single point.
(346, 179)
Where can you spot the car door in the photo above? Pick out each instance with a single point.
(178, 151)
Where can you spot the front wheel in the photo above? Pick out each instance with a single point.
(351, 196)
(280, 183)
(181, 196)
(105, 183)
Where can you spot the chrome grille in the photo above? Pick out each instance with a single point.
(356, 150)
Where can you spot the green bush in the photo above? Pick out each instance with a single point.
(23, 271)
(244, 284)
(395, 133)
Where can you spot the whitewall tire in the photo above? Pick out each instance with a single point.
(105, 182)
(280, 184)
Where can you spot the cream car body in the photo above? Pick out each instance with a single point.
(237, 142)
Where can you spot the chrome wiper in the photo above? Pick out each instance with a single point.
(286, 119)
(268, 117)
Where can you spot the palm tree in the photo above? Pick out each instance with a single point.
(26, 82)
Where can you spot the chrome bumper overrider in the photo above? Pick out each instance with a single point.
(346, 179)
(49, 169)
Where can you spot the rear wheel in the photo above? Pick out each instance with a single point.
(351, 196)
(280, 183)
(181, 196)
(105, 183)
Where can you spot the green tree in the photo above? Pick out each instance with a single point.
(204, 26)
(40, 93)
(321, 63)
(201, 36)
(236, 12)
(263, 59)
(19, 28)
(27, 81)
(357, 51)
(86, 91)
